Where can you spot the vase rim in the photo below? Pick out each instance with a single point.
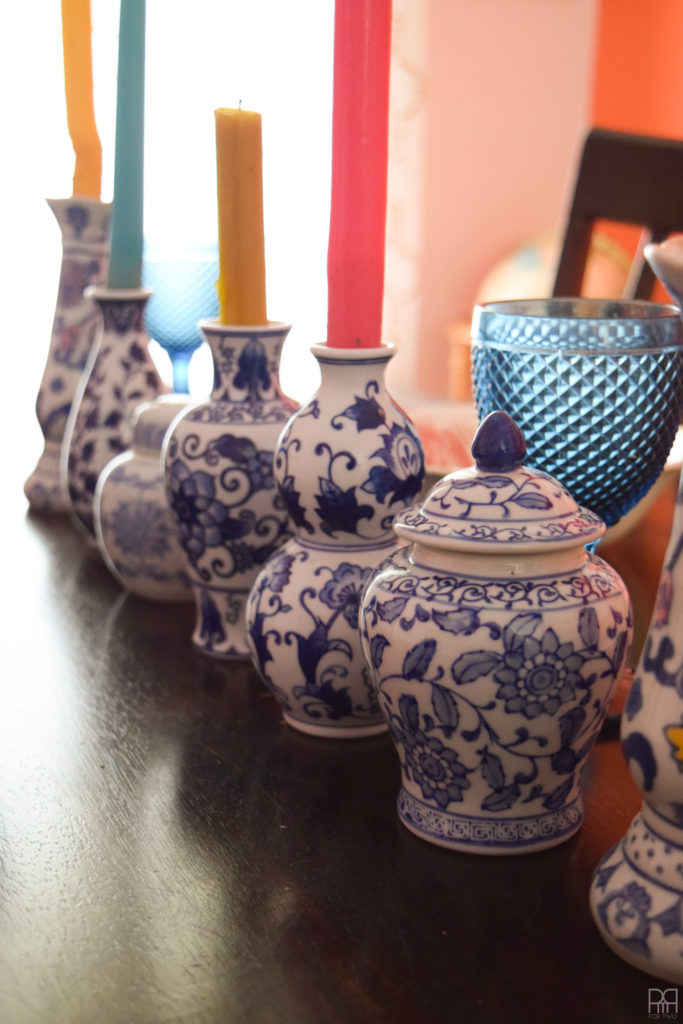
(80, 200)
(102, 292)
(270, 327)
(329, 353)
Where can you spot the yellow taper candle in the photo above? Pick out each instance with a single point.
(80, 111)
(241, 248)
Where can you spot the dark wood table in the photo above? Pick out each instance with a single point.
(170, 851)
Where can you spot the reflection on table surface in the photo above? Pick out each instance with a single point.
(172, 852)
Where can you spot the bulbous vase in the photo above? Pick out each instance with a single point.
(220, 484)
(346, 463)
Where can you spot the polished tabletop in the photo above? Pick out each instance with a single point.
(171, 851)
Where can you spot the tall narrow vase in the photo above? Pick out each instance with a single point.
(346, 463)
(120, 374)
(637, 890)
(84, 226)
(219, 479)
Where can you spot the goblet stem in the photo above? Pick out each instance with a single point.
(180, 362)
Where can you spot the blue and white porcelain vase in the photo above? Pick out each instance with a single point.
(119, 375)
(84, 226)
(133, 524)
(346, 463)
(495, 641)
(637, 890)
(219, 480)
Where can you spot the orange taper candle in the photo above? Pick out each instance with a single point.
(241, 246)
(80, 111)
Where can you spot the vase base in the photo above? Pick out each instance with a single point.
(492, 836)
(335, 732)
(636, 897)
(233, 654)
(43, 488)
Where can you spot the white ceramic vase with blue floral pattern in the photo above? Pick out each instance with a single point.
(346, 463)
(637, 891)
(84, 226)
(119, 375)
(495, 641)
(220, 484)
(133, 524)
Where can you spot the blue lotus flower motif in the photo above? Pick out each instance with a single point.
(538, 676)
(140, 529)
(400, 477)
(203, 522)
(344, 590)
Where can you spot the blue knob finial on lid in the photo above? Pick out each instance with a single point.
(498, 444)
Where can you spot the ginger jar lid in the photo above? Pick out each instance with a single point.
(498, 506)
(152, 419)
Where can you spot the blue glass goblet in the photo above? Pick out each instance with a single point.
(183, 282)
(595, 386)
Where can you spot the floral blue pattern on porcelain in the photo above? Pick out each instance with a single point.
(494, 665)
(220, 484)
(345, 463)
(120, 375)
(84, 226)
(133, 525)
(637, 891)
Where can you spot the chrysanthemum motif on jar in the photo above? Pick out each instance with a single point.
(220, 483)
(346, 463)
(495, 641)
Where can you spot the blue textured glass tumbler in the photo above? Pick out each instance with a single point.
(183, 283)
(595, 386)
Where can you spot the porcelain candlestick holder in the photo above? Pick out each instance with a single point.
(637, 891)
(120, 374)
(219, 479)
(346, 463)
(84, 226)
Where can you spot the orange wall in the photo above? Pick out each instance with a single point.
(638, 79)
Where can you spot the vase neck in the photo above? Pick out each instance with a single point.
(246, 362)
(352, 369)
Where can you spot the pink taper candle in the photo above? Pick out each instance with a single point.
(360, 129)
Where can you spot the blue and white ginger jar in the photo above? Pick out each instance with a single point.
(495, 641)
(133, 525)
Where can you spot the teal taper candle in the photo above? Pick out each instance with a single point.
(125, 261)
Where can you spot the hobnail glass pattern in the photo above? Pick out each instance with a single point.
(595, 386)
(183, 285)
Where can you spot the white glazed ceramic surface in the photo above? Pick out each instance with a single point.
(120, 374)
(84, 226)
(666, 259)
(220, 484)
(637, 891)
(133, 524)
(346, 463)
(495, 642)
